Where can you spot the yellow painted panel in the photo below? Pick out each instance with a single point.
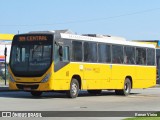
(61, 84)
(96, 71)
(96, 76)
(6, 36)
(144, 73)
(63, 77)
(119, 72)
(12, 86)
(144, 83)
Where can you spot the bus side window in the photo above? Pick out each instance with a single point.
(150, 56)
(104, 53)
(77, 51)
(65, 54)
(90, 52)
(117, 54)
(129, 55)
(61, 53)
(141, 56)
(126, 59)
(56, 54)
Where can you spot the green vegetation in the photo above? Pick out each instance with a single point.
(143, 118)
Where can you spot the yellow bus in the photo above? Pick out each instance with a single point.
(62, 61)
(156, 43)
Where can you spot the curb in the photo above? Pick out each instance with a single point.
(157, 86)
(6, 89)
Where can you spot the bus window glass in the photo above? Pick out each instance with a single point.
(104, 53)
(90, 52)
(31, 57)
(76, 51)
(158, 58)
(23, 54)
(141, 56)
(40, 53)
(150, 56)
(117, 54)
(129, 55)
(19, 57)
(56, 53)
(65, 54)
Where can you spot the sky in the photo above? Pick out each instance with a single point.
(131, 19)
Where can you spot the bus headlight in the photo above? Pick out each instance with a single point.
(46, 78)
(11, 78)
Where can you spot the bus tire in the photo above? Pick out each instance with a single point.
(74, 89)
(94, 92)
(36, 93)
(126, 89)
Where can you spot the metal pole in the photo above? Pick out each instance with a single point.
(5, 53)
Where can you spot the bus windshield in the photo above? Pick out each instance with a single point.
(30, 58)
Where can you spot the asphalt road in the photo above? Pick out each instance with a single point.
(139, 100)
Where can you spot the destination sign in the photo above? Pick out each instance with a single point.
(32, 38)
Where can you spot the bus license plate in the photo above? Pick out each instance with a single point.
(27, 88)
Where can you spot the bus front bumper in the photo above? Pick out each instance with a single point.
(30, 86)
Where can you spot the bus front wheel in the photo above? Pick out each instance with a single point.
(127, 88)
(36, 93)
(74, 89)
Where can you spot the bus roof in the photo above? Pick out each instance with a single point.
(154, 42)
(109, 39)
(67, 34)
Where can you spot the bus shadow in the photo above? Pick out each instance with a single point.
(104, 93)
(52, 95)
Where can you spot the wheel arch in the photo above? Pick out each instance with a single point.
(130, 78)
(78, 78)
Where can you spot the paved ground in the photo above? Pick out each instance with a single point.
(139, 100)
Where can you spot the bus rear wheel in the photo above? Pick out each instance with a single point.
(74, 89)
(94, 92)
(126, 90)
(36, 93)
